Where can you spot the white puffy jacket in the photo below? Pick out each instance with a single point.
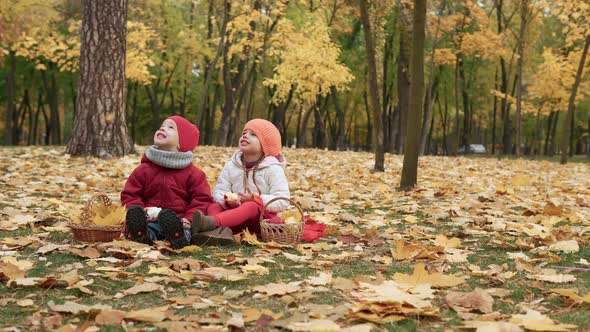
(266, 179)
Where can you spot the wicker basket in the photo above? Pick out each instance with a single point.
(281, 233)
(87, 231)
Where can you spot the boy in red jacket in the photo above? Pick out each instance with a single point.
(166, 179)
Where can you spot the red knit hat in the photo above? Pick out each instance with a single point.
(268, 135)
(188, 133)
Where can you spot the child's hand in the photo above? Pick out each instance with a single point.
(186, 223)
(231, 200)
(246, 197)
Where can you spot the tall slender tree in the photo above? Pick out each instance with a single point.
(100, 128)
(411, 151)
(373, 89)
(566, 137)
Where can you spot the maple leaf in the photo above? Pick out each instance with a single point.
(421, 276)
(534, 320)
(403, 251)
(465, 302)
(151, 315)
(278, 288)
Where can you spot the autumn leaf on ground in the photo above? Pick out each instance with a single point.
(147, 287)
(421, 276)
(403, 251)
(387, 302)
(534, 320)
(278, 288)
(152, 315)
(465, 302)
(75, 308)
(445, 242)
(568, 246)
(12, 268)
(572, 294)
(550, 275)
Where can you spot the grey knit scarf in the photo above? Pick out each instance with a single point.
(168, 159)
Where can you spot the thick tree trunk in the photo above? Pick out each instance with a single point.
(10, 125)
(566, 137)
(410, 167)
(373, 88)
(100, 128)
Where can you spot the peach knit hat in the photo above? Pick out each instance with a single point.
(268, 135)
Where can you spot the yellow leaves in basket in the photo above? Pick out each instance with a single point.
(108, 215)
(105, 215)
(291, 216)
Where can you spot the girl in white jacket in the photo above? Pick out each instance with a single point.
(253, 176)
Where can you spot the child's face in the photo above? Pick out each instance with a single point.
(249, 143)
(166, 138)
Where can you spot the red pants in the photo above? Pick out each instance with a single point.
(247, 215)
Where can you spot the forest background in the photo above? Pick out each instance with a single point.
(499, 73)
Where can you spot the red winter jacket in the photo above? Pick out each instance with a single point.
(183, 191)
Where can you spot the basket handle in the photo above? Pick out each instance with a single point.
(86, 215)
(278, 199)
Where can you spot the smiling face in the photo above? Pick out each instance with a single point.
(166, 138)
(250, 145)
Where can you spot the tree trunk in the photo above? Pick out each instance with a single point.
(466, 134)
(548, 134)
(373, 88)
(494, 114)
(410, 167)
(553, 145)
(100, 128)
(566, 137)
(403, 75)
(10, 125)
(431, 82)
(340, 114)
(523, 17)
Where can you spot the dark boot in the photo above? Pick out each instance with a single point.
(172, 229)
(220, 236)
(202, 223)
(136, 225)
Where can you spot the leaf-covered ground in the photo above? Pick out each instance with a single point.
(481, 243)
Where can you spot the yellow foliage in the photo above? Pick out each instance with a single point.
(309, 63)
(108, 215)
(444, 56)
(551, 82)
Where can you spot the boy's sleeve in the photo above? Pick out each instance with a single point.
(134, 189)
(223, 186)
(199, 194)
(279, 187)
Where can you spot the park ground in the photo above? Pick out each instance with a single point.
(480, 243)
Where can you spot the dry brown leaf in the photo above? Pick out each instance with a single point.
(278, 288)
(150, 315)
(76, 308)
(147, 287)
(465, 302)
(110, 317)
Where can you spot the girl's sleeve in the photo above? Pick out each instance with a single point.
(223, 186)
(199, 194)
(279, 187)
(134, 190)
